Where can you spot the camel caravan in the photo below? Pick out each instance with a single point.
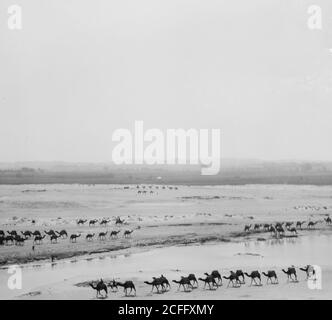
(288, 228)
(38, 237)
(210, 281)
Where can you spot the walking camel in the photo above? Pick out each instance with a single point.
(100, 286)
(81, 222)
(299, 224)
(234, 279)
(184, 282)
(127, 233)
(311, 224)
(93, 222)
(114, 233)
(127, 285)
(328, 220)
(216, 275)
(209, 280)
(254, 275)
(38, 239)
(156, 283)
(62, 233)
(54, 238)
(247, 227)
(272, 276)
(309, 270)
(290, 273)
(102, 235)
(240, 273)
(73, 237)
(89, 236)
(104, 222)
(192, 278)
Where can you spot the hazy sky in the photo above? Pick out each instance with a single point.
(80, 69)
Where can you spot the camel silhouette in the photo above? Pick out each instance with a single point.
(100, 286)
(81, 221)
(291, 271)
(104, 222)
(309, 270)
(328, 220)
(240, 273)
(127, 285)
(12, 233)
(36, 233)
(247, 227)
(299, 224)
(19, 241)
(311, 224)
(156, 283)
(50, 233)
(27, 234)
(234, 279)
(272, 276)
(192, 278)
(93, 222)
(292, 230)
(209, 280)
(164, 281)
(89, 236)
(288, 224)
(127, 233)
(62, 233)
(216, 275)
(73, 237)
(54, 238)
(38, 239)
(257, 226)
(266, 226)
(184, 282)
(119, 221)
(254, 275)
(114, 233)
(113, 285)
(102, 235)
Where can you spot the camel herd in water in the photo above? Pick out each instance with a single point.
(13, 237)
(211, 281)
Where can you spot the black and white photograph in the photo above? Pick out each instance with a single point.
(166, 150)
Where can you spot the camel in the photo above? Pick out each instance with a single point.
(239, 273)
(247, 227)
(209, 280)
(36, 233)
(328, 220)
(234, 279)
(254, 275)
(216, 275)
(38, 239)
(272, 276)
(311, 224)
(165, 282)
(279, 224)
(100, 286)
(81, 221)
(273, 230)
(62, 233)
(50, 233)
(127, 285)
(299, 224)
(184, 282)
(89, 236)
(12, 233)
(93, 222)
(19, 240)
(114, 233)
(119, 221)
(113, 285)
(2, 233)
(156, 283)
(280, 230)
(290, 272)
(27, 234)
(104, 222)
(54, 237)
(257, 226)
(8, 239)
(73, 237)
(192, 278)
(309, 270)
(127, 233)
(102, 235)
